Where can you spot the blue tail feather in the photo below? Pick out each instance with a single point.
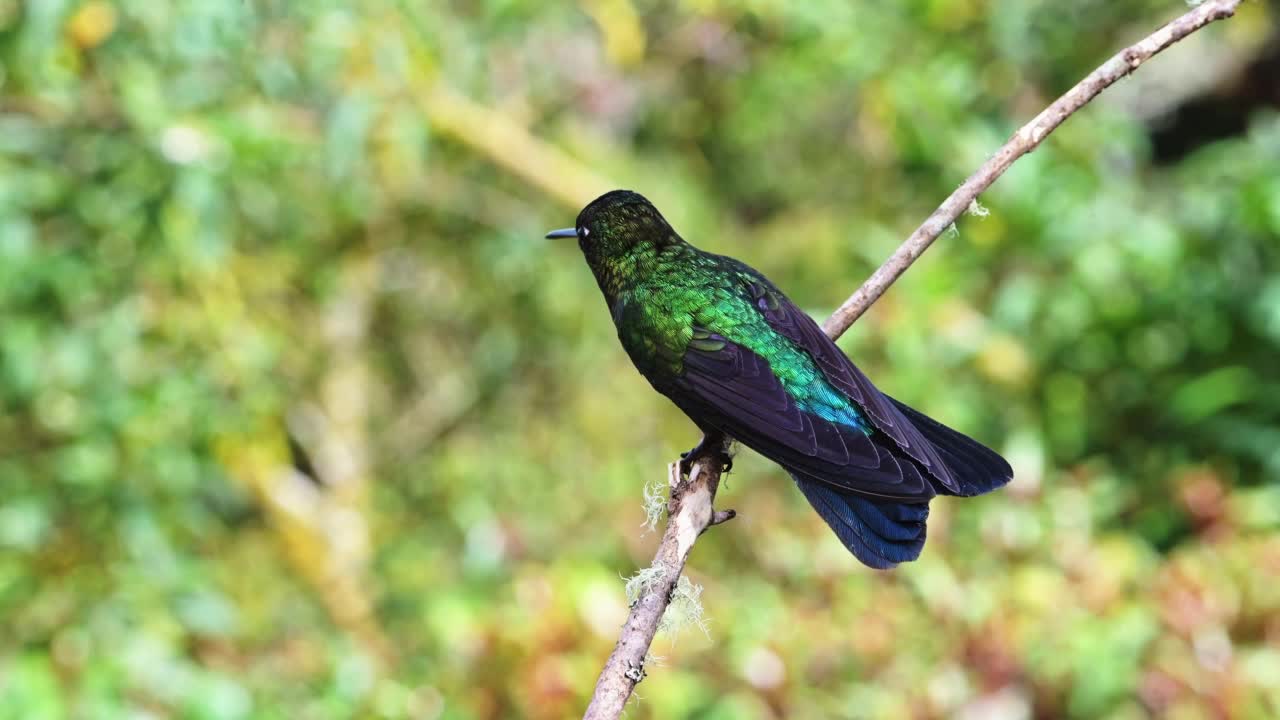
(880, 533)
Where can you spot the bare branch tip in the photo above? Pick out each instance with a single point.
(722, 516)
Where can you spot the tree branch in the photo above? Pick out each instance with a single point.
(1023, 141)
(689, 513)
(690, 510)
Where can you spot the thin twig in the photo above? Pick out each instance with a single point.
(691, 510)
(1023, 141)
(689, 513)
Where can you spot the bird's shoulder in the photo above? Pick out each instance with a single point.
(677, 305)
(738, 299)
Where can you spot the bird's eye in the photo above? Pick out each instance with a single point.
(585, 231)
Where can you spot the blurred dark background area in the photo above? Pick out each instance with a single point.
(301, 418)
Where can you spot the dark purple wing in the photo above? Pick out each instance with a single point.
(977, 469)
(732, 389)
(796, 325)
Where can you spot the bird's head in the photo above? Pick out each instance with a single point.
(616, 225)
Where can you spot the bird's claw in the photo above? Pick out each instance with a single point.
(686, 463)
(705, 447)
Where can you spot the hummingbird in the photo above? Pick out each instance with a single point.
(739, 358)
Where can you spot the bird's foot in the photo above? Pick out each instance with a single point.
(706, 446)
(711, 445)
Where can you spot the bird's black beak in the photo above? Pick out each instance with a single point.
(562, 233)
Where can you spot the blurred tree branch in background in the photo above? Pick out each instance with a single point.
(321, 518)
(510, 146)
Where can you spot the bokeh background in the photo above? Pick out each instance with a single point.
(302, 418)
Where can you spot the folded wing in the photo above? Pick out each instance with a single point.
(734, 390)
(906, 456)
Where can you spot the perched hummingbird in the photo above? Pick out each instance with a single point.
(740, 359)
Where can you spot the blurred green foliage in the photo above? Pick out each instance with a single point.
(225, 219)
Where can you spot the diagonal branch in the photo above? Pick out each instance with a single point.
(691, 511)
(1026, 139)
